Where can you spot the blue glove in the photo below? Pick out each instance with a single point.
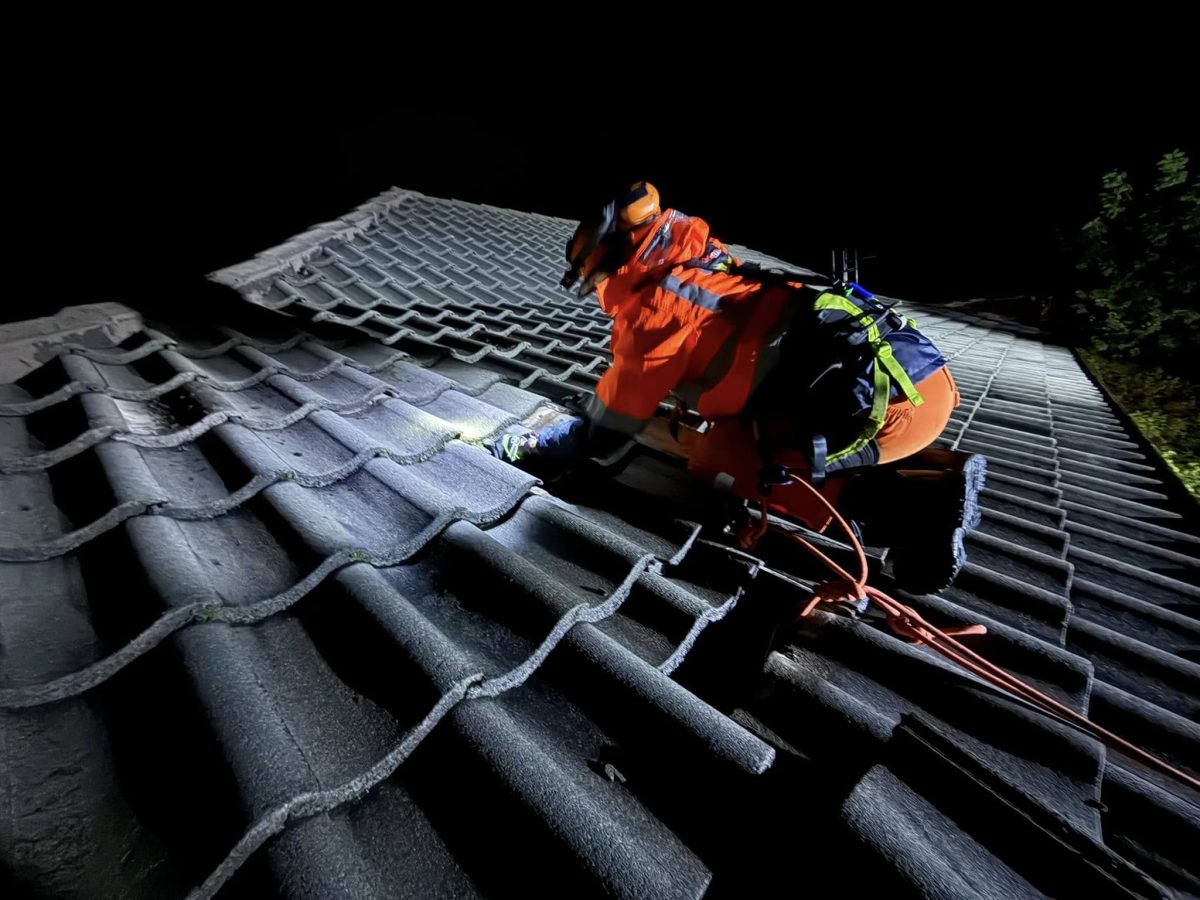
(561, 440)
(513, 446)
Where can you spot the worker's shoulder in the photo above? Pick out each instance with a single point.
(679, 217)
(685, 229)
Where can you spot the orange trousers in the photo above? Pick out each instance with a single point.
(907, 428)
(729, 448)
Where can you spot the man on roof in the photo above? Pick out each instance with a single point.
(824, 383)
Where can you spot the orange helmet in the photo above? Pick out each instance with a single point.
(638, 206)
(591, 250)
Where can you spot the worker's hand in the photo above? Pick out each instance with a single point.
(513, 446)
(561, 440)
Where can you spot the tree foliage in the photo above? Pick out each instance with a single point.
(1140, 266)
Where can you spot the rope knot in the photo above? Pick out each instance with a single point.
(838, 590)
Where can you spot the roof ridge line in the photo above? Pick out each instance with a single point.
(294, 251)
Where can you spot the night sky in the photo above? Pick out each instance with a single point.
(128, 193)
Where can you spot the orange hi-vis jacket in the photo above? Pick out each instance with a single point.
(682, 322)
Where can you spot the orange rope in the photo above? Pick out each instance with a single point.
(908, 623)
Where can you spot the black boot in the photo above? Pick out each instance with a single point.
(921, 507)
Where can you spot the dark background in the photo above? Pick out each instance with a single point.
(131, 185)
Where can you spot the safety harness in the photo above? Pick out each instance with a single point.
(857, 320)
(852, 324)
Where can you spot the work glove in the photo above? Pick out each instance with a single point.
(514, 445)
(560, 441)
